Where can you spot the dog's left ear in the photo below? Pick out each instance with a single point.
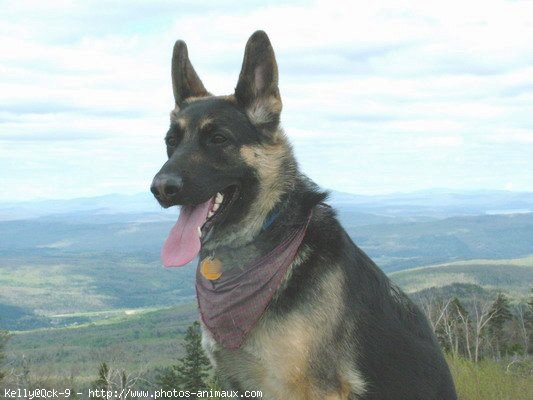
(185, 81)
(257, 90)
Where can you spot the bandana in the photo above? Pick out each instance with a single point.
(231, 305)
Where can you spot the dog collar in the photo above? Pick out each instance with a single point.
(269, 220)
(232, 304)
(211, 267)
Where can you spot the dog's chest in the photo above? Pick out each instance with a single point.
(277, 359)
(277, 367)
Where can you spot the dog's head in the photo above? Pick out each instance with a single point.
(228, 160)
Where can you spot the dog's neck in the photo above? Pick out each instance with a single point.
(292, 208)
(283, 197)
(274, 179)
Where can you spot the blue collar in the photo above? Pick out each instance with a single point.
(269, 220)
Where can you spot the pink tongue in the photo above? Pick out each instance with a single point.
(183, 243)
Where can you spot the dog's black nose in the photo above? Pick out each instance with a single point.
(166, 188)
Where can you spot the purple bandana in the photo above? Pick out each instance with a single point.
(231, 305)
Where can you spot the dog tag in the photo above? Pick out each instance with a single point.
(211, 268)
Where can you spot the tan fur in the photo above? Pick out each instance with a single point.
(263, 109)
(342, 394)
(286, 347)
(192, 99)
(174, 113)
(284, 369)
(208, 344)
(205, 122)
(354, 381)
(182, 122)
(267, 160)
(231, 98)
(278, 356)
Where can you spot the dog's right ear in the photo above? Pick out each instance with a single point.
(185, 81)
(257, 90)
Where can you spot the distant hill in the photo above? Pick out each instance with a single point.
(128, 340)
(465, 292)
(411, 244)
(514, 277)
(437, 203)
(63, 259)
(100, 205)
(137, 224)
(54, 288)
(429, 203)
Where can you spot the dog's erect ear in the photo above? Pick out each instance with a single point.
(257, 90)
(185, 81)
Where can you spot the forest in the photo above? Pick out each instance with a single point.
(487, 343)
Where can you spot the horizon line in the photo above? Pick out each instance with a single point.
(435, 190)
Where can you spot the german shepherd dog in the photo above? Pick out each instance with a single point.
(289, 304)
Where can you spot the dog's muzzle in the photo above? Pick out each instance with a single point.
(166, 189)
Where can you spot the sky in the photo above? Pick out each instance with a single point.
(379, 97)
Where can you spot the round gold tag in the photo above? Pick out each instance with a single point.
(211, 268)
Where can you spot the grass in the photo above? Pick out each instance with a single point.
(151, 339)
(489, 380)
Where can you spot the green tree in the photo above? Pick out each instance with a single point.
(192, 371)
(4, 336)
(528, 320)
(501, 313)
(167, 379)
(102, 383)
(458, 315)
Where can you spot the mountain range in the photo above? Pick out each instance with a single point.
(66, 262)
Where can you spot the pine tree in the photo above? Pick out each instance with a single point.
(192, 370)
(102, 383)
(501, 314)
(167, 378)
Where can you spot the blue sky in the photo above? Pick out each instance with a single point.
(378, 97)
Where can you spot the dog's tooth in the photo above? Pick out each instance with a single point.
(199, 232)
(210, 214)
(219, 198)
(216, 206)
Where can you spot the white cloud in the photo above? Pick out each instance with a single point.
(415, 94)
(439, 141)
(61, 244)
(518, 136)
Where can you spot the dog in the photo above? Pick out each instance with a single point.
(289, 304)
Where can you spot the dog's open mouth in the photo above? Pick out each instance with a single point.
(194, 223)
(218, 209)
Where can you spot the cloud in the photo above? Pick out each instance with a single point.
(388, 96)
(61, 244)
(518, 90)
(439, 141)
(519, 136)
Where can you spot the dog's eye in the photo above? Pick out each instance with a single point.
(218, 139)
(171, 141)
